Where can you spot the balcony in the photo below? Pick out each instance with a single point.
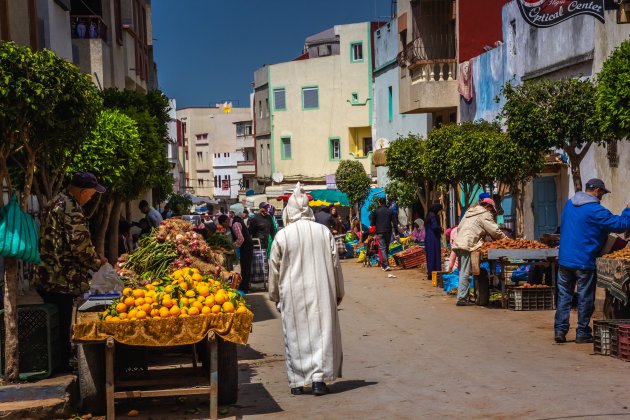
(246, 167)
(429, 69)
(244, 142)
(88, 27)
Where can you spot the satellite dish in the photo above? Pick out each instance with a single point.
(277, 177)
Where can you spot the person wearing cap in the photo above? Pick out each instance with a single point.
(261, 225)
(152, 215)
(584, 227)
(477, 223)
(67, 252)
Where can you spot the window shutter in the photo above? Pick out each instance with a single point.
(311, 98)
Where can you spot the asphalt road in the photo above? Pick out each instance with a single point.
(409, 352)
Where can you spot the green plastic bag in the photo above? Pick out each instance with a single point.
(19, 236)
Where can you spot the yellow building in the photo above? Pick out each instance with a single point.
(321, 105)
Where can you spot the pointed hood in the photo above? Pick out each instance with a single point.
(297, 207)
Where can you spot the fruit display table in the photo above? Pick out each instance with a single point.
(96, 337)
(502, 258)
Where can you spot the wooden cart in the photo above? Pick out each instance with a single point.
(503, 257)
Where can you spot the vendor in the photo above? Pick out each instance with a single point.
(584, 228)
(67, 253)
(477, 222)
(152, 215)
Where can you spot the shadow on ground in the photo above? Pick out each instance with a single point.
(261, 307)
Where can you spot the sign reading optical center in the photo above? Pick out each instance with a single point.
(546, 13)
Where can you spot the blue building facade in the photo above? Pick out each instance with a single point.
(387, 122)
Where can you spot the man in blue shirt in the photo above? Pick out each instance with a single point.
(584, 229)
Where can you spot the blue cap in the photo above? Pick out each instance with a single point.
(484, 195)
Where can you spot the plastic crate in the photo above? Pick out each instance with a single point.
(603, 331)
(39, 343)
(623, 337)
(437, 280)
(531, 299)
(412, 257)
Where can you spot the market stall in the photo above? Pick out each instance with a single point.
(504, 257)
(178, 294)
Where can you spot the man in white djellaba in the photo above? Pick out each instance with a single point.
(306, 282)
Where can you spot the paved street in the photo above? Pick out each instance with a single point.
(410, 353)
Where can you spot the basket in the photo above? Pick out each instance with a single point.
(39, 342)
(531, 299)
(412, 257)
(437, 279)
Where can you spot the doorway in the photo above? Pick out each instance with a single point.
(545, 206)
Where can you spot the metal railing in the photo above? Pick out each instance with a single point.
(436, 47)
(88, 27)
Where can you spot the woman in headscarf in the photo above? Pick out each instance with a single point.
(418, 234)
(306, 282)
(433, 239)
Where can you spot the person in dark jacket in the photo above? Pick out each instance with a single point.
(584, 227)
(323, 217)
(433, 240)
(242, 240)
(261, 226)
(384, 221)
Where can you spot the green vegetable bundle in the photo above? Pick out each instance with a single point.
(152, 258)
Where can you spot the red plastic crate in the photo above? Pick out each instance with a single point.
(623, 337)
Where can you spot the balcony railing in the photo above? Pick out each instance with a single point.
(430, 58)
(88, 27)
(246, 166)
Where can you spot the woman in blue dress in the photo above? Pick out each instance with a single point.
(433, 240)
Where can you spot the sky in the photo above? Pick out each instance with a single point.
(207, 50)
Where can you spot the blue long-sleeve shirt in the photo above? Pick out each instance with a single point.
(584, 228)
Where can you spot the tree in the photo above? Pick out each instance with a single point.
(179, 203)
(46, 106)
(406, 172)
(613, 92)
(353, 181)
(560, 114)
(113, 154)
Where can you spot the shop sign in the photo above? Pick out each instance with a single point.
(225, 185)
(546, 13)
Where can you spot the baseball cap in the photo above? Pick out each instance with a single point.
(489, 201)
(597, 183)
(86, 180)
(484, 195)
(263, 205)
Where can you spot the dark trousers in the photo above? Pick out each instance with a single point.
(247, 253)
(64, 305)
(384, 239)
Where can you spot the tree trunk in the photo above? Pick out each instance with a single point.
(128, 219)
(519, 193)
(99, 241)
(11, 345)
(112, 231)
(577, 175)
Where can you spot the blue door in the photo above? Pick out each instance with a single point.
(545, 206)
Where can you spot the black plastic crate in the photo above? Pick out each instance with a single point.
(531, 299)
(39, 343)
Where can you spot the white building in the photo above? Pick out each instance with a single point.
(226, 177)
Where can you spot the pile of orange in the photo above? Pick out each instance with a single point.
(185, 293)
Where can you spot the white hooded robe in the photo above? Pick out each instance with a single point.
(306, 281)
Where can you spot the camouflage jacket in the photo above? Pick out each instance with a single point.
(66, 249)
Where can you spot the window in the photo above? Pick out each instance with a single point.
(334, 148)
(216, 182)
(390, 104)
(356, 51)
(310, 98)
(513, 36)
(247, 184)
(201, 136)
(243, 130)
(184, 128)
(200, 182)
(268, 154)
(286, 148)
(367, 145)
(186, 154)
(260, 108)
(267, 105)
(279, 99)
(355, 97)
(324, 50)
(200, 156)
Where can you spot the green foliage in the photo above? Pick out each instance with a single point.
(150, 112)
(613, 92)
(47, 110)
(353, 181)
(179, 203)
(406, 170)
(547, 114)
(112, 153)
(402, 193)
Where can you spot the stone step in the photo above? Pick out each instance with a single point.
(49, 398)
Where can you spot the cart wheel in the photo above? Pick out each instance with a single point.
(483, 287)
(91, 364)
(228, 372)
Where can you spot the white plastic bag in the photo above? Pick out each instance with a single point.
(106, 280)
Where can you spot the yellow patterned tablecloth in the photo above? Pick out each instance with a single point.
(163, 332)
